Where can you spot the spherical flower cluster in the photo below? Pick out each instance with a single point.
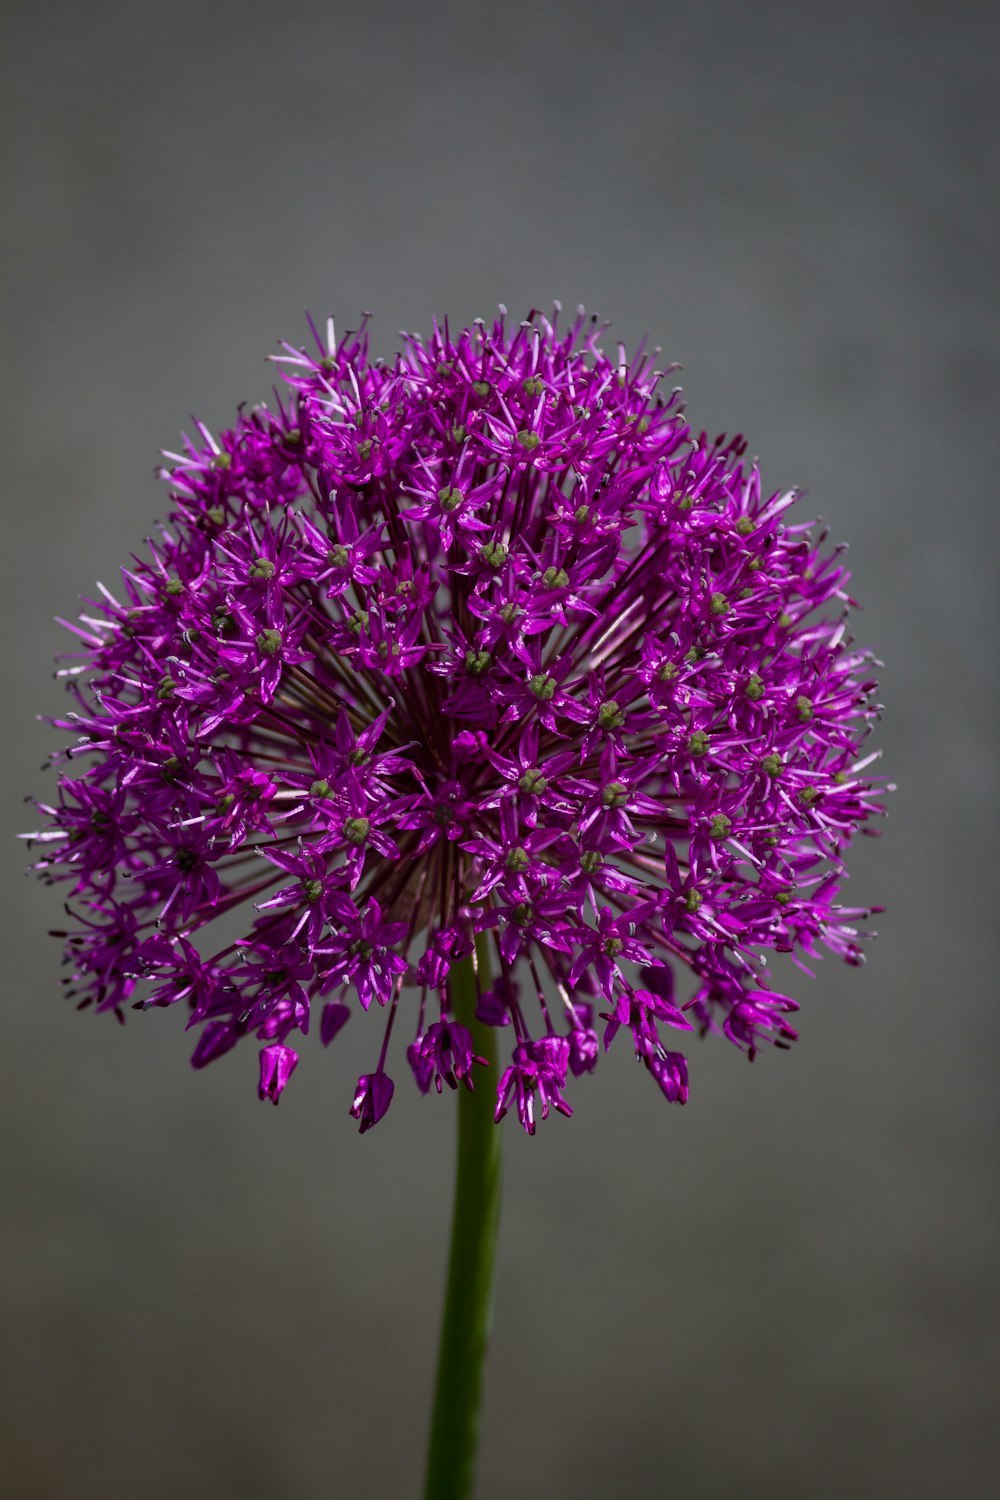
(481, 652)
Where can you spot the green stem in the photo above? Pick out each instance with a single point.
(468, 1306)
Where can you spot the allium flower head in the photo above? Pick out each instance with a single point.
(481, 651)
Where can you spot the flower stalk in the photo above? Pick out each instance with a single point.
(468, 1306)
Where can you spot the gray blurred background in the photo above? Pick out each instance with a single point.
(788, 1289)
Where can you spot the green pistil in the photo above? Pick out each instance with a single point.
(719, 604)
(356, 830)
(591, 862)
(320, 788)
(186, 860)
(222, 461)
(481, 388)
(692, 901)
(754, 688)
(745, 594)
(365, 448)
(358, 757)
(744, 526)
(443, 367)
(225, 802)
(612, 946)
(771, 765)
(686, 502)
(450, 498)
(581, 515)
(784, 620)
(698, 743)
(358, 621)
(809, 794)
(170, 769)
(494, 554)
(555, 578)
(216, 515)
(523, 913)
(542, 687)
(293, 437)
(533, 386)
(528, 440)
(517, 861)
(311, 891)
(174, 587)
(99, 820)
(667, 671)
(696, 653)
(533, 781)
(615, 794)
(840, 777)
(222, 621)
(510, 612)
(783, 898)
(458, 432)
(339, 556)
(269, 642)
(262, 568)
(804, 708)
(477, 662)
(720, 827)
(165, 688)
(609, 715)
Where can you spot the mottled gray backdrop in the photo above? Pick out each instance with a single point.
(789, 1288)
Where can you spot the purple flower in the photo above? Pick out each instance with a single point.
(421, 1066)
(496, 1005)
(670, 1070)
(479, 649)
(444, 1055)
(334, 1018)
(537, 1072)
(361, 947)
(372, 1098)
(277, 1064)
(584, 1047)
